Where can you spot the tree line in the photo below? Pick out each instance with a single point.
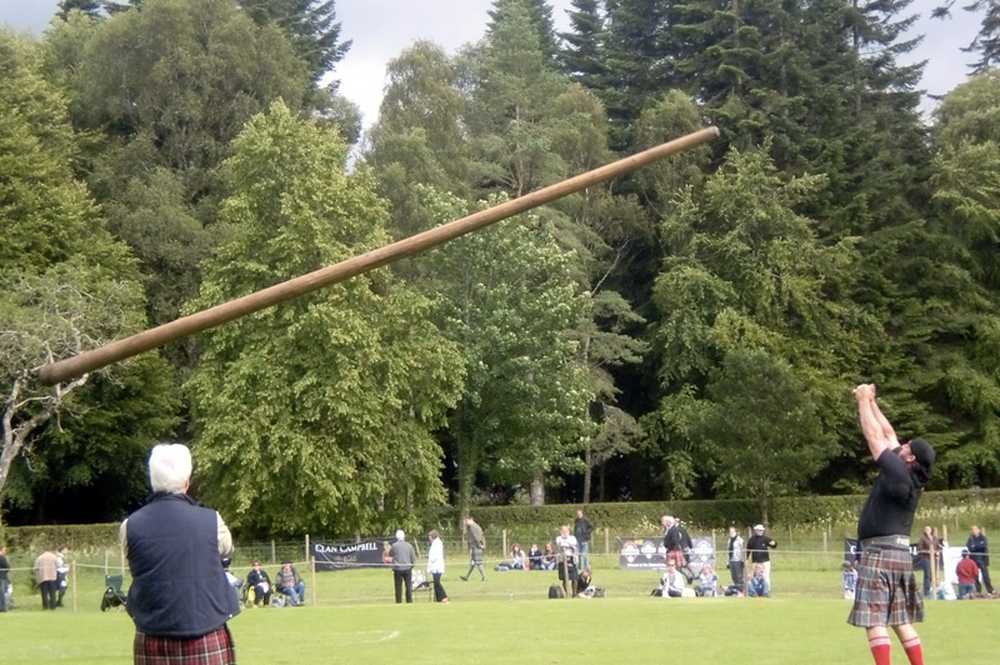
(690, 331)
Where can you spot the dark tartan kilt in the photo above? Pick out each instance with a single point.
(887, 592)
(215, 648)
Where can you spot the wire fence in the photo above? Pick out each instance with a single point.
(806, 561)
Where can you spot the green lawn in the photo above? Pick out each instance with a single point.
(508, 620)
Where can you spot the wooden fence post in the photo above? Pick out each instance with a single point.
(274, 553)
(503, 543)
(72, 572)
(607, 541)
(825, 541)
(312, 567)
(308, 553)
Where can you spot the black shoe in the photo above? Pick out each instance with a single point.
(463, 578)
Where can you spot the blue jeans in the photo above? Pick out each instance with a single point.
(966, 590)
(296, 594)
(584, 555)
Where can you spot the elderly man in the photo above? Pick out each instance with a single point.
(402, 556)
(180, 599)
(887, 594)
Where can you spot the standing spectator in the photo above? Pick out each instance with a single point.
(477, 544)
(180, 599)
(569, 551)
(677, 542)
(46, 576)
(435, 565)
(737, 557)
(288, 583)
(62, 574)
(4, 578)
(979, 549)
(757, 550)
(758, 586)
(535, 557)
(924, 549)
(583, 530)
(403, 557)
(708, 582)
(968, 576)
(259, 582)
(849, 580)
(234, 581)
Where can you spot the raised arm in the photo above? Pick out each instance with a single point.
(870, 425)
(888, 433)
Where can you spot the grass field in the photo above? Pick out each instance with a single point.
(508, 620)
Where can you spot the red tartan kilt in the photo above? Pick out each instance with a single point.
(215, 648)
(677, 556)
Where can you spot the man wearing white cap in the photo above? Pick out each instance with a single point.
(757, 550)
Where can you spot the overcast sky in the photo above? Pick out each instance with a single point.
(382, 28)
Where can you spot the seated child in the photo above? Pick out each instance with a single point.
(535, 557)
(708, 582)
(757, 587)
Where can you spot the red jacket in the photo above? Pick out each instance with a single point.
(967, 571)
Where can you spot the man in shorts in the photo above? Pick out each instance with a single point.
(887, 594)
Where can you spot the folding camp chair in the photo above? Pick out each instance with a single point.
(113, 594)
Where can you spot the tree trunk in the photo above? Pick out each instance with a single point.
(466, 458)
(588, 472)
(538, 489)
(602, 490)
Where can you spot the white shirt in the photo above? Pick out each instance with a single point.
(673, 582)
(435, 557)
(568, 545)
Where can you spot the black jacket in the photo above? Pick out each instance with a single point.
(677, 538)
(757, 548)
(582, 529)
(979, 548)
(4, 567)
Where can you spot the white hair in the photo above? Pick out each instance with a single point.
(400, 535)
(170, 468)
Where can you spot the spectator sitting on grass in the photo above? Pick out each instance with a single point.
(708, 582)
(673, 582)
(549, 558)
(535, 557)
(289, 583)
(850, 580)
(758, 587)
(518, 560)
(968, 575)
(259, 582)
